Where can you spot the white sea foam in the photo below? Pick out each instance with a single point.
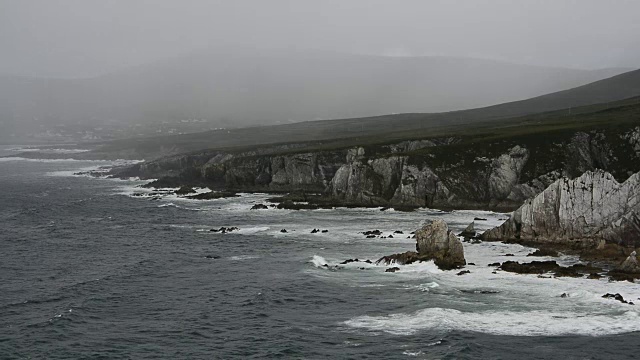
(424, 287)
(524, 323)
(49, 150)
(318, 261)
(412, 353)
(243, 257)
(253, 230)
(168, 205)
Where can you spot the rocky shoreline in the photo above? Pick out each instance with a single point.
(560, 197)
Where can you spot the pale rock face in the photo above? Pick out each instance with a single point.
(357, 182)
(386, 180)
(299, 169)
(505, 172)
(389, 170)
(436, 241)
(589, 208)
(366, 182)
(419, 187)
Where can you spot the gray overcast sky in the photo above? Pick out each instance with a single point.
(76, 38)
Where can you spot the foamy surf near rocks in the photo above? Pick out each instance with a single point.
(589, 209)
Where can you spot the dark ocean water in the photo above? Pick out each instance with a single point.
(87, 271)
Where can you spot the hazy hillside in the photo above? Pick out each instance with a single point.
(585, 99)
(239, 88)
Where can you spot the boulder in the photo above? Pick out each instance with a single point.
(470, 231)
(259, 207)
(630, 265)
(435, 241)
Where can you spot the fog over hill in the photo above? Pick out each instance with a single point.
(240, 87)
(618, 91)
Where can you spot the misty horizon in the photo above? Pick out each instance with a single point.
(81, 39)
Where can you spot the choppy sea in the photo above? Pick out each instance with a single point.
(87, 270)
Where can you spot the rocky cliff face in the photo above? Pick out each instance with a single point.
(454, 172)
(589, 209)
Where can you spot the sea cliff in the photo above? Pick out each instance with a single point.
(497, 173)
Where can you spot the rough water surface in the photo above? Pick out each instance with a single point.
(89, 271)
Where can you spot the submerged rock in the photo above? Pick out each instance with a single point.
(259, 207)
(393, 269)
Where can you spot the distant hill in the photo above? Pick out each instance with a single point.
(619, 91)
(239, 88)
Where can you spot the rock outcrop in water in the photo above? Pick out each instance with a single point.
(630, 265)
(588, 210)
(436, 242)
(469, 231)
